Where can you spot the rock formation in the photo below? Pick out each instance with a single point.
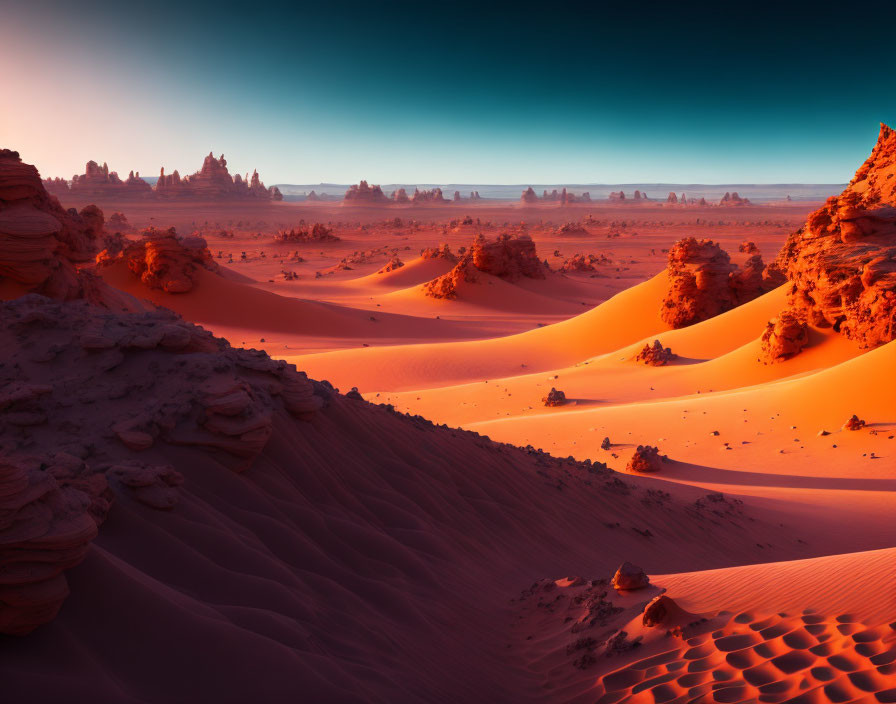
(98, 182)
(318, 232)
(45, 529)
(530, 197)
(646, 458)
(640, 197)
(617, 196)
(748, 248)
(584, 263)
(784, 337)
(474, 195)
(162, 260)
(41, 245)
(362, 194)
(433, 196)
(655, 355)
(443, 251)
(214, 182)
(554, 398)
(394, 263)
(117, 222)
(57, 186)
(507, 257)
(400, 196)
(123, 383)
(842, 262)
(704, 283)
(630, 577)
(854, 423)
(672, 198)
(733, 199)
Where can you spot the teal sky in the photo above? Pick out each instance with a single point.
(460, 92)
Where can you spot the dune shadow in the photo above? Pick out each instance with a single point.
(690, 472)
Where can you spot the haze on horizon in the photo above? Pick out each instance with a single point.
(463, 93)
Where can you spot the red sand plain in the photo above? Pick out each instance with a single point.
(401, 564)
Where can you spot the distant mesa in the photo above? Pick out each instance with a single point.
(431, 196)
(561, 197)
(733, 199)
(637, 198)
(474, 195)
(704, 283)
(364, 194)
(214, 182)
(842, 262)
(315, 196)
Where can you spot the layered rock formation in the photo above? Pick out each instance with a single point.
(784, 337)
(214, 182)
(45, 529)
(362, 194)
(121, 384)
(507, 257)
(842, 262)
(400, 196)
(41, 244)
(162, 260)
(704, 283)
(99, 182)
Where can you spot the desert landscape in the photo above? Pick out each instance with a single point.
(385, 442)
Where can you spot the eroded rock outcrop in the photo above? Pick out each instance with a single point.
(508, 257)
(41, 244)
(555, 397)
(655, 355)
(704, 283)
(162, 260)
(363, 193)
(316, 232)
(784, 337)
(646, 458)
(584, 263)
(630, 577)
(842, 262)
(214, 182)
(443, 251)
(45, 529)
(428, 196)
(99, 182)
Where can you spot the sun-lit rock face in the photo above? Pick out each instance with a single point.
(214, 182)
(704, 283)
(162, 260)
(842, 262)
(784, 337)
(363, 193)
(506, 257)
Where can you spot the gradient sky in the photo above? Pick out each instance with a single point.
(628, 92)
